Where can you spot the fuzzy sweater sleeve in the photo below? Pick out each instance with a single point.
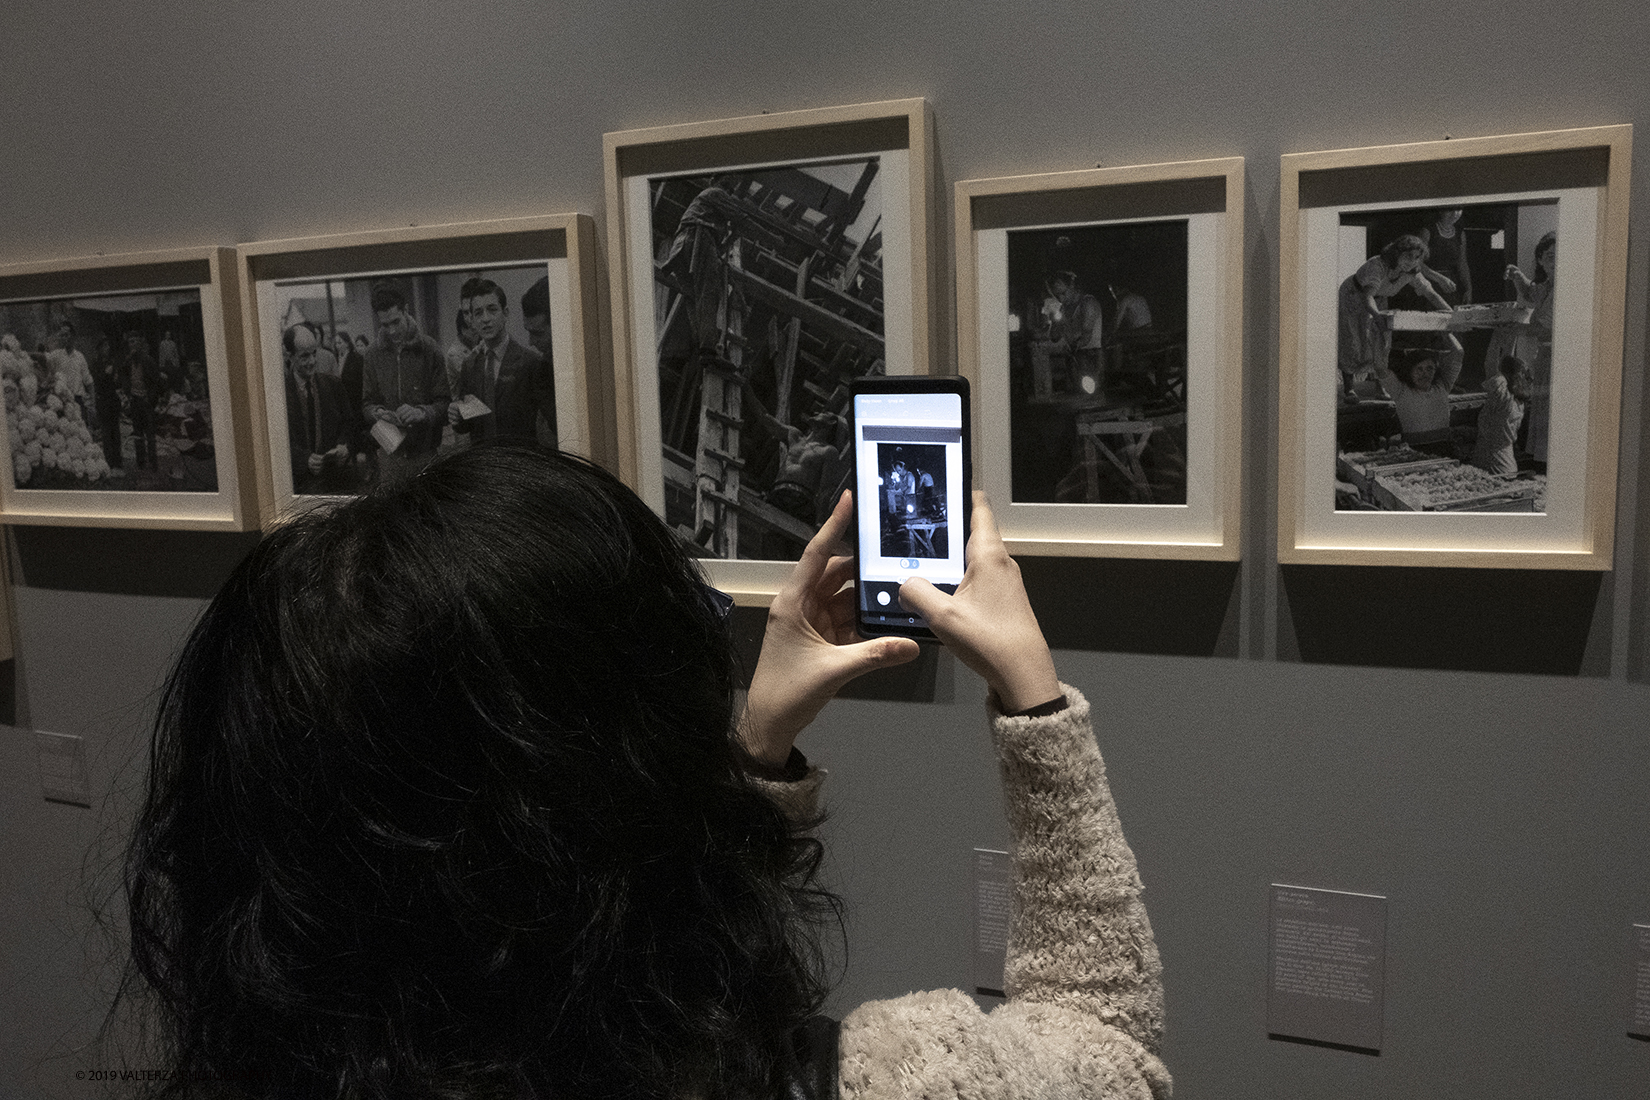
(1084, 1014)
(798, 799)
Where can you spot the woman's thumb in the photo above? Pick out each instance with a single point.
(862, 657)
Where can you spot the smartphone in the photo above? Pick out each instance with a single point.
(913, 474)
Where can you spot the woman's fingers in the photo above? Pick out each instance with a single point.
(820, 549)
(989, 623)
(838, 572)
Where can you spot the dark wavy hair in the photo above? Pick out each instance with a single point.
(1399, 245)
(1405, 365)
(445, 801)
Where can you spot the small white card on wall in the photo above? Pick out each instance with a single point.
(63, 768)
(1638, 1013)
(993, 904)
(1328, 962)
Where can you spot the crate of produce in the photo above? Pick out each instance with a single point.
(1461, 318)
(1362, 467)
(1489, 314)
(1455, 488)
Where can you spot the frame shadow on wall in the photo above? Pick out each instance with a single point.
(128, 561)
(1135, 605)
(1468, 620)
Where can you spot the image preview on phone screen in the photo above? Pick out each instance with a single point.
(909, 456)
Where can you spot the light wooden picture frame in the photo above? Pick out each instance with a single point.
(1100, 322)
(1508, 458)
(332, 286)
(125, 392)
(758, 264)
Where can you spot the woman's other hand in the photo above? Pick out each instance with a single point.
(811, 648)
(988, 623)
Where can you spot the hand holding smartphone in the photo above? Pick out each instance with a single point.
(913, 473)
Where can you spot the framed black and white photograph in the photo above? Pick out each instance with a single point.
(1097, 350)
(1100, 322)
(1454, 388)
(759, 266)
(118, 388)
(380, 353)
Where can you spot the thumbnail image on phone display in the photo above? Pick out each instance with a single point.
(911, 490)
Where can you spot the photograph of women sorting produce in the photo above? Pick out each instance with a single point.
(1444, 353)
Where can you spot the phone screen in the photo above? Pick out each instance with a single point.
(911, 484)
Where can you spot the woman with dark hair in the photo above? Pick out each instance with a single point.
(448, 799)
(1365, 341)
(1419, 382)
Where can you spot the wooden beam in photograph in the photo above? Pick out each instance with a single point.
(820, 288)
(679, 475)
(817, 316)
(717, 473)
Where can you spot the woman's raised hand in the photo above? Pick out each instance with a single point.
(811, 648)
(988, 623)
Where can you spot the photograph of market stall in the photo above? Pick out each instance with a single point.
(1444, 358)
(108, 393)
(1097, 363)
(769, 292)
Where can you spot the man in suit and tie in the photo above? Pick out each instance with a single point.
(514, 382)
(320, 421)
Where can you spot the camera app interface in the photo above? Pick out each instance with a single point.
(910, 463)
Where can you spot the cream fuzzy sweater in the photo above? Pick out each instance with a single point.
(1084, 1014)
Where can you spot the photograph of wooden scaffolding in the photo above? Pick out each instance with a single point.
(769, 300)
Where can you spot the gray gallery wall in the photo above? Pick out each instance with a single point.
(1472, 745)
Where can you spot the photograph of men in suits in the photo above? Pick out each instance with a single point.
(426, 354)
(514, 382)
